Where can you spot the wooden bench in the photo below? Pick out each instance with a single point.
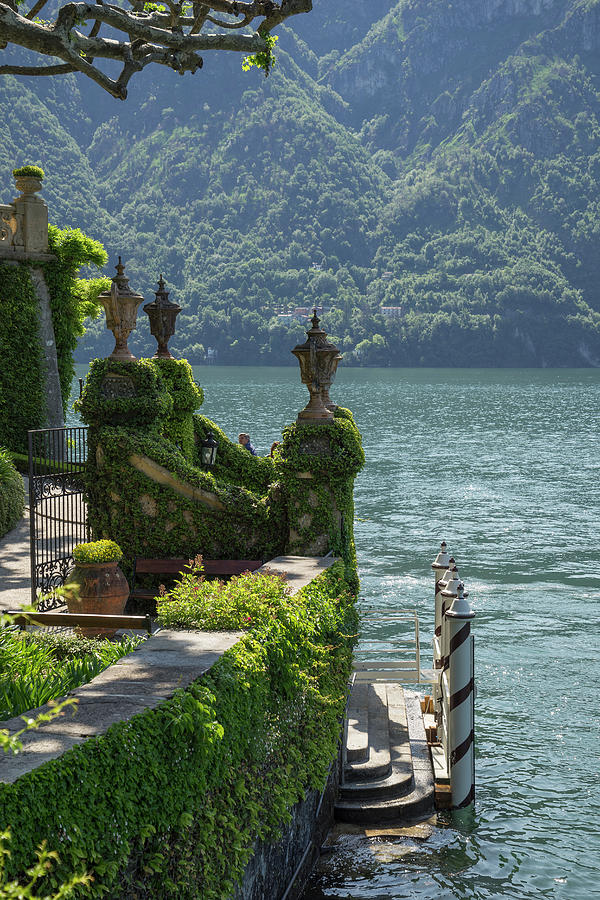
(220, 568)
(72, 620)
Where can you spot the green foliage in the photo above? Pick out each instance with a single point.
(264, 60)
(14, 890)
(149, 406)
(216, 606)
(21, 374)
(31, 674)
(22, 400)
(62, 645)
(71, 299)
(187, 396)
(317, 465)
(227, 758)
(34, 171)
(97, 552)
(12, 493)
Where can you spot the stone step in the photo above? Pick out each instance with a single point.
(378, 761)
(407, 792)
(399, 781)
(357, 737)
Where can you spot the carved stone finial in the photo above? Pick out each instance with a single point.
(162, 313)
(121, 305)
(318, 360)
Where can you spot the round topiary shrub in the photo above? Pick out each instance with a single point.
(12, 493)
(97, 552)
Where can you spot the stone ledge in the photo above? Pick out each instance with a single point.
(148, 676)
(300, 570)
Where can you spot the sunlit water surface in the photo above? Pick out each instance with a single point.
(504, 465)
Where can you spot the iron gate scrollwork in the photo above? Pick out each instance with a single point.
(58, 513)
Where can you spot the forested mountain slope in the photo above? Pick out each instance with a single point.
(441, 157)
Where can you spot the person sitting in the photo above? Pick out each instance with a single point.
(244, 440)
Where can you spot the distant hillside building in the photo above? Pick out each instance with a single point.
(391, 312)
(301, 313)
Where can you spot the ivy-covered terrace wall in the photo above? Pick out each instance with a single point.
(147, 490)
(168, 805)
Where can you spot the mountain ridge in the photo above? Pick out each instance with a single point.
(435, 156)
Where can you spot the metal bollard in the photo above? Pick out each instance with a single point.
(449, 585)
(461, 678)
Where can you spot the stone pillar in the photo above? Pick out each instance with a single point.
(54, 416)
(315, 521)
(31, 213)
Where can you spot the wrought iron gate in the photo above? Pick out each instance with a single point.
(58, 513)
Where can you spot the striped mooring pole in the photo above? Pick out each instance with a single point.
(461, 744)
(439, 566)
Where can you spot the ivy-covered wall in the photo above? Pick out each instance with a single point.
(168, 805)
(22, 379)
(147, 490)
(12, 493)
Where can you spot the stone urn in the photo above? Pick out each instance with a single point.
(318, 359)
(162, 313)
(98, 588)
(121, 305)
(28, 184)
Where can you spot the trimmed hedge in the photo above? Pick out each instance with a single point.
(12, 493)
(169, 803)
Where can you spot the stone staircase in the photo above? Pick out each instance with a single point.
(387, 775)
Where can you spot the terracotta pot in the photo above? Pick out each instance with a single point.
(97, 588)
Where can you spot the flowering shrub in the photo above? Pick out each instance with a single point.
(218, 606)
(97, 552)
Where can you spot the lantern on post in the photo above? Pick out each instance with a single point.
(318, 359)
(208, 451)
(121, 306)
(162, 313)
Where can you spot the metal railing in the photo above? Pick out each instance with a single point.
(395, 655)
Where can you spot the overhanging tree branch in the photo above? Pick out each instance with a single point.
(146, 33)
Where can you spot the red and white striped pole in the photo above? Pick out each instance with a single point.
(461, 677)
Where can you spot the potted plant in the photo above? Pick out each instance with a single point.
(97, 585)
(28, 179)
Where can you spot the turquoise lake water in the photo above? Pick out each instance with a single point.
(505, 466)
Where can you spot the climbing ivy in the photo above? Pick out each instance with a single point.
(187, 396)
(21, 373)
(317, 464)
(196, 781)
(147, 489)
(12, 494)
(22, 399)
